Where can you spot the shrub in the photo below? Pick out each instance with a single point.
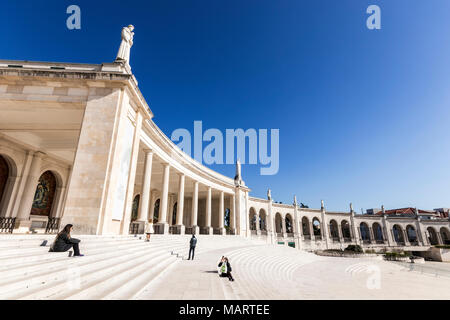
(354, 248)
(443, 246)
(370, 251)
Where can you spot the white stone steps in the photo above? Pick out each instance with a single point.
(101, 253)
(136, 285)
(32, 242)
(83, 246)
(241, 287)
(96, 286)
(47, 279)
(44, 255)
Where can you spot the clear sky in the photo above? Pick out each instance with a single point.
(363, 114)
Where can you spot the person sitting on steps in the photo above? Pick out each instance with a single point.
(64, 242)
(225, 268)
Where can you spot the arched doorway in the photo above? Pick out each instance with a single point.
(44, 195)
(252, 217)
(135, 208)
(411, 234)
(445, 235)
(432, 236)
(4, 175)
(289, 225)
(398, 234)
(377, 232)
(365, 232)
(345, 228)
(278, 223)
(317, 229)
(334, 230)
(262, 220)
(174, 214)
(305, 228)
(156, 211)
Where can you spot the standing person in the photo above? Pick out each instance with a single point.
(225, 268)
(149, 229)
(64, 242)
(192, 243)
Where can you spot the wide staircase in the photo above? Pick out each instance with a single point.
(114, 267)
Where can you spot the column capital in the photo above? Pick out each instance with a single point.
(148, 151)
(39, 154)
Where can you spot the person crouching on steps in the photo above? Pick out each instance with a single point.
(64, 242)
(148, 229)
(225, 269)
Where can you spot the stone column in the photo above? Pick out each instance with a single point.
(163, 225)
(23, 222)
(61, 192)
(311, 230)
(283, 226)
(194, 215)
(419, 233)
(354, 228)
(405, 235)
(180, 206)
(146, 181)
(221, 213)
(388, 235)
(324, 227)
(340, 235)
(372, 236)
(233, 215)
(208, 211)
(126, 215)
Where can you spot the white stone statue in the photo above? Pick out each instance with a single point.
(351, 207)
(295, 200)
(238, 178)
(127, 42)
(321, 204)
(382, 209)
(269, 194)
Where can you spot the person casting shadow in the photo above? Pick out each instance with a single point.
(192, 244)
(225, 268)
(64, 242)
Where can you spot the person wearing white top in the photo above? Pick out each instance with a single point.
(149, 229)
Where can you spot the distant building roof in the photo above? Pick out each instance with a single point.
(410, 212)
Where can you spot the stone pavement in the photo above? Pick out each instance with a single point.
(271, 272)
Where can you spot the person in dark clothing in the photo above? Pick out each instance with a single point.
(64, 242)
(192, 243)
(225, 268)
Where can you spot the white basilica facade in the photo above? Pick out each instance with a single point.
(78, 145)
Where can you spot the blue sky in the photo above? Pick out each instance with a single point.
(363, 115)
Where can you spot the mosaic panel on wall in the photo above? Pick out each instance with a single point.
(45, 192)
(4, 173)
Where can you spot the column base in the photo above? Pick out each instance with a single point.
(180, 229)
(163, 228)
(22, 226)
(195, 230)
(208, 230)
(258, 232)
(222, 231)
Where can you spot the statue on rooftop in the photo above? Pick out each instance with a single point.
(269, 195)
(123, 55)
(238, 178)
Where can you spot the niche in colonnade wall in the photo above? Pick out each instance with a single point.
(4, 175)
(44, 195)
